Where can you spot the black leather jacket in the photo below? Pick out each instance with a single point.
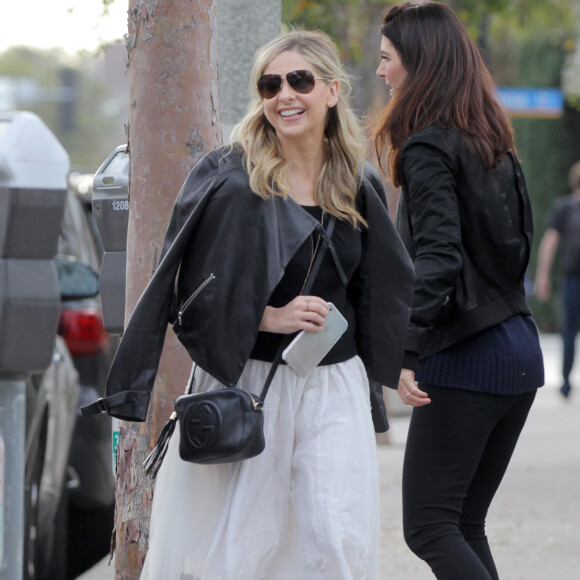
(469, 233)
(225, 251)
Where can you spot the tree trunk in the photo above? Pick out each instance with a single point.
(173, 122)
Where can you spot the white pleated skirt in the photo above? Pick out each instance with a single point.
(306, 507)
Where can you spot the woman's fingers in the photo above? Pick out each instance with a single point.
(302, 313)
(314, 313)
(417, 399)
(313, 304)
(409, 391)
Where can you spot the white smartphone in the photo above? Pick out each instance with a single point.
(309, 348)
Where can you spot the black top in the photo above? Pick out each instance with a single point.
(565, 219)
(327, 285)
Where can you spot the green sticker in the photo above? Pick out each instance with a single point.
(116, 439)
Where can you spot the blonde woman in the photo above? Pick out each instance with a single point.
(246, 228)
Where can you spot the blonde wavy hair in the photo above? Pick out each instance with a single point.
(344, 141)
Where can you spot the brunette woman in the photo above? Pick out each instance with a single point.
(473, 360)
(242, 239)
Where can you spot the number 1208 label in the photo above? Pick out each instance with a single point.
(120, 205)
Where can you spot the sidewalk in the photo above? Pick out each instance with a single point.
(534, 522)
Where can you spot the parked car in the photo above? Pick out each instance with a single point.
(70, 490)
(51, 401)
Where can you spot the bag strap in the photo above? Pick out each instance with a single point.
(312, 276)
(190, 381)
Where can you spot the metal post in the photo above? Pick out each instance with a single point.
(12, 418)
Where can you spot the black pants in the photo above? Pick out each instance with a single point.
(570, 323)
(458, 449)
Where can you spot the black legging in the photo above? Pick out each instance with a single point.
(458, 449)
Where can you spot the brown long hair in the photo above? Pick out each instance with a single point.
(447, 83)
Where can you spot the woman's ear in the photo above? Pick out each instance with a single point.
(333, 94)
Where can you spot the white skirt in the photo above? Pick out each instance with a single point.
(306, 507)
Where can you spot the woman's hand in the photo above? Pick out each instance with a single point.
(302, 313)
(409, 390)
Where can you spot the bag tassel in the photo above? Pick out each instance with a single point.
(154, 460)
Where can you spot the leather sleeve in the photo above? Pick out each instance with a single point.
(386, 285)
(430, 211)
(132, 374)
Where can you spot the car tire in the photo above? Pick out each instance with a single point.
(90, 537)
(57, 566)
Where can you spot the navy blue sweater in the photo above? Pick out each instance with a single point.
(505, 359)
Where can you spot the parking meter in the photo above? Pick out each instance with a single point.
(111, 211)
(33, 183)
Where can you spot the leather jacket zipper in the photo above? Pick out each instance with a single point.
(193, 297)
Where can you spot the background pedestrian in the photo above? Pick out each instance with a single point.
(562, 238)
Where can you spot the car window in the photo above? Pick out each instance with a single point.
(76, 237)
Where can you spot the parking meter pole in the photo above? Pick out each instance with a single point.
(111, 211)
(12, 417)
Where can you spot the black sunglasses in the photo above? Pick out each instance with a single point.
(302, 81)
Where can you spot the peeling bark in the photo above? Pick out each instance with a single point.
(173, 121)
